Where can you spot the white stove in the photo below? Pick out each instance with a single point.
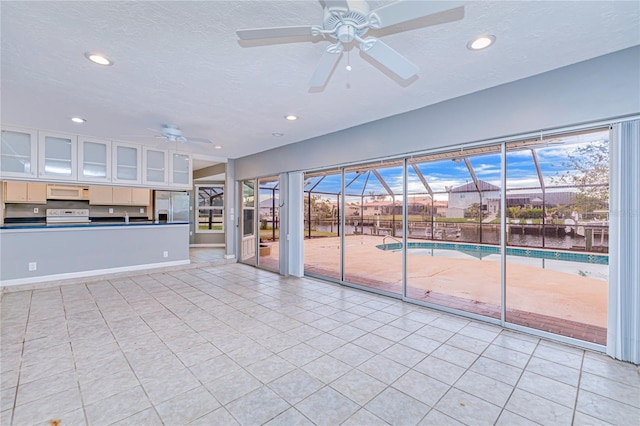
(68, 216)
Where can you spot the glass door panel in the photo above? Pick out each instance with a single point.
(248, 237)
(269, 223)
(453, 230)
(558, 229)
(373, 226)
(322, 206)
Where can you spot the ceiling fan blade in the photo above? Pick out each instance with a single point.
(408, 10)
(337, 4)
(325, 67)
(388, 57)
(202, 140)
(275, 32)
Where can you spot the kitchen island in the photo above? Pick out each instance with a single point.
(32, 253)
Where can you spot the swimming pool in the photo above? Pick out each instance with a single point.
(580, 264)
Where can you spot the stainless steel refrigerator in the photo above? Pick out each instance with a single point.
(171, 206)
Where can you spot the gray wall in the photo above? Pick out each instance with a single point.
(69, 250)
(598, 89)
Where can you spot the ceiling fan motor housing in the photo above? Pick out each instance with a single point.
(344, 23)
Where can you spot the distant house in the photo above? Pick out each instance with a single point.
(462, 197)
(266, 207)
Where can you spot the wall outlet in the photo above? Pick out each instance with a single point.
(36, 210)
(141, 209)
(190, 233)
(165, 254)
(111, 210)
(33, 266)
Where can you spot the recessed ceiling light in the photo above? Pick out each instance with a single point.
(98, 59)
(291, 117)
(218, 147)
(78, 120)
(481, 42)
(277, 134)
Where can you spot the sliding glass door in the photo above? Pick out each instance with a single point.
(269, 223)
(373, 226)
(558, 234)
(453, 240)
(516, 232)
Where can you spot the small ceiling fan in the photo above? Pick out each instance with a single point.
(349, 20)
(172, 133)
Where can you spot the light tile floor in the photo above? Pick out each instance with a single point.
(231, 344)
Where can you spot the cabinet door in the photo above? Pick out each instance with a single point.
(121, 196)
(94, 160)
(15, 192)
(101, 195)
(181, 170)
(140, 197)
(57, 156)
(126, 163)
(155, 165)
(18, 149)
(37, 193)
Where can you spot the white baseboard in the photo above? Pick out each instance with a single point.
(83, 274)
(221, 245)
(229, 256)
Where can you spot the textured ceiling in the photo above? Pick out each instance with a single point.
(181, 62)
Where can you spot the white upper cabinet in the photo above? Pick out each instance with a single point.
(181, 170)
(127, 163)
(18, 153)
(94, 160)
(155, 167)
(57, 156)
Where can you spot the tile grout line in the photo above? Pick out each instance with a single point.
(575, 404)
(73, 355)
(24, 337)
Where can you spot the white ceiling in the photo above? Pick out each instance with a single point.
(181, 62)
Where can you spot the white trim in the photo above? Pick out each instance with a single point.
(81, 274)
(229, 256)
(223, 245)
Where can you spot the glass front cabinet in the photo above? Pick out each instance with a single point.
(57, 156)
(180, 170)
(94, 160)
(18, 153)
(155, 167)
(126, 163)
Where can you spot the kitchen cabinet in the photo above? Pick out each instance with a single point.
(126, 163)
(140, 197)
(155, 167)
(101, 195)
(181, 170)
(119, 196)
(57, 156)
(18, 153)
(25, 192)
(94, 160)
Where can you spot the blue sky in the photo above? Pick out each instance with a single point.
(445, 173)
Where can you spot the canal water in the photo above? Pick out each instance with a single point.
(489, 236)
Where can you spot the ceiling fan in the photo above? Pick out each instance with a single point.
(349, 20)
(172, 133)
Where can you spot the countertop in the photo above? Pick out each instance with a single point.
(41, 225)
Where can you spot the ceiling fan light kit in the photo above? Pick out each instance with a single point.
(348, 21)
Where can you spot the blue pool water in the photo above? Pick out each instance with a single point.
(481, 251)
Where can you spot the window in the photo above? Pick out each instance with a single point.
(210, 206)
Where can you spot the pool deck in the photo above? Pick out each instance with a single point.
(554, 301)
